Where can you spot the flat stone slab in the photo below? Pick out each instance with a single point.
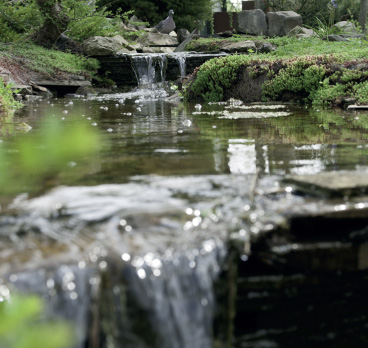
(357, 107)
(337, 183)
(80, 83)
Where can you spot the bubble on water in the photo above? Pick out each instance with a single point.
(94, 124)
(109, 130)
(126, 257)
(198, 107)
(187, 123)
(65, 111)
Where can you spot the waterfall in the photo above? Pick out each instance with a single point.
(149, 68)
(181, 59)
(132, 259)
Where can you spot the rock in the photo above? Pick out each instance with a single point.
(338, 183)
(84, 90)
(335, 37)
(132, 23)
(24, 89)
(105, 46)
(300, 32)
(280, 23)
(65, 43)
(157, 39)
(265, 47)
(346, 27)
(42, 91)
(182, 35)
(240, 47)
(251, 22)
(181, 47)
(5, 75)
(125, 50)
(158, 49)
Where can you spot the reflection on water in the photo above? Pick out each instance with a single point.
(142, 134)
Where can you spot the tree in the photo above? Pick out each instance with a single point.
(55, 22)
(363, 14)
(188, 13)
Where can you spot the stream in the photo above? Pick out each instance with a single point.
(117, 209)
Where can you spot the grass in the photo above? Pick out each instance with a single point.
(292, 47)
(49, 62)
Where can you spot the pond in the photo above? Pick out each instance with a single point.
(117, 208)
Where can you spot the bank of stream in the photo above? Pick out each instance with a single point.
(175, 226)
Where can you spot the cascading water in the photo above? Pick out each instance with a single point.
(181, 59)
(149, 69)
(132, 259)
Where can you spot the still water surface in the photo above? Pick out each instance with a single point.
(141, 134)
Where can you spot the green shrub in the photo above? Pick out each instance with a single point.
(87, 20)
(330, 95)
(18, 18)
(7, 102)
(301, 78)
(361, 92)
(215, 76)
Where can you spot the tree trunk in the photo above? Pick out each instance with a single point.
(363, 14)
(56, 22)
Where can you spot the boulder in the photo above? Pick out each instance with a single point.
(251, 22)
(300, 32)
(154, 38)
(182, 35)
(136, 23)
(240, 47)
(280, 23)
(335, 37)
(103, 46)
(346, 27)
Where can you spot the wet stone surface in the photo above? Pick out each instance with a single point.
(339, 184)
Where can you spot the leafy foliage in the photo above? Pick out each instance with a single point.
(86, 20)
(189, 14)
(215, 76)
(18, 18)
(7, 102)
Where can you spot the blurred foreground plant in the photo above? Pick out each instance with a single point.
(21, 325)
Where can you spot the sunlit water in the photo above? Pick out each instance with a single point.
(150, 210)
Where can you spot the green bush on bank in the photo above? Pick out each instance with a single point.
(324, 80)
